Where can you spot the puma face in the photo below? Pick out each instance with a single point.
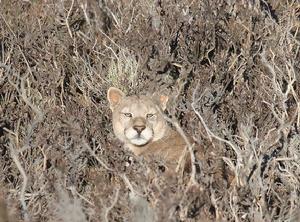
(137, 120)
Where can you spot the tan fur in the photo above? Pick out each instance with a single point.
(132, 114)
(3, 211)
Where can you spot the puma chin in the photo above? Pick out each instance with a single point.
(137, 120)
(138, 139)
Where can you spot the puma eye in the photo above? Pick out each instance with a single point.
(129, 115)
(149, 116)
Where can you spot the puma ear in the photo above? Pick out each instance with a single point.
(114, 96)
(163, 100)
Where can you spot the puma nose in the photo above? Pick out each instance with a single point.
(139, 129)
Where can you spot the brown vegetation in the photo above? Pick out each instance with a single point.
(231, 69)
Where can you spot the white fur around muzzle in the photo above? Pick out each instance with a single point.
(136, 139)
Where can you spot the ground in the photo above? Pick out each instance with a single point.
(230, 68)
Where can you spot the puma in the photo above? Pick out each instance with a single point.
(139, 123)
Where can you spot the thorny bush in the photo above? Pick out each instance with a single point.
(231, 69)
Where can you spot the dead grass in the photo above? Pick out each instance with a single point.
(231, 69)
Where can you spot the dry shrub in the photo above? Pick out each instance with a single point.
(231, 69)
